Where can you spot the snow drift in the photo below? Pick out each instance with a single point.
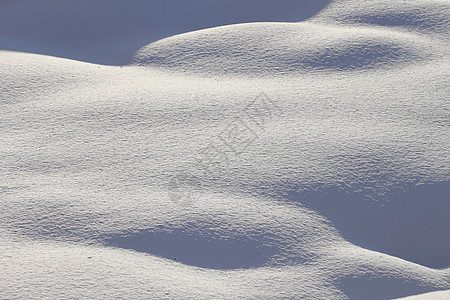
(307, 159)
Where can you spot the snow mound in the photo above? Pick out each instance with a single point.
(331, 41)
(334, 193)
(429, 16)
(319, 170)
(246, 238)
(281, 48)
(285, 49)
(111, 31)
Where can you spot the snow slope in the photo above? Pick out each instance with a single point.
(440, 295)
(110, 31)
(129, 181)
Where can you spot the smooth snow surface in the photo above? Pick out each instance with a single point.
(440, 295)
(302, 151)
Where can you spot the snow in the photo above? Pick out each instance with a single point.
(301, 151)
(440, 295)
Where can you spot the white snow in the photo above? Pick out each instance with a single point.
(302, 151)
(440, 295)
